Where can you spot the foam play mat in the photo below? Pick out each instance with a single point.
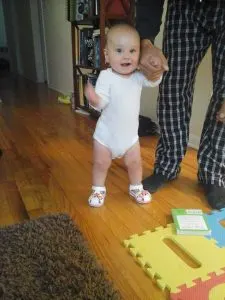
(218, 231)
(211, 289)
(157, 260)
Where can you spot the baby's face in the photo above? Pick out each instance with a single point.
(122, 52)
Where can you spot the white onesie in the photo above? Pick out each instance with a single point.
(117, 127)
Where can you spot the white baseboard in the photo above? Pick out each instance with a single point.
(194, 141)
(56, 89)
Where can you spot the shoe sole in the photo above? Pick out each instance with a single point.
(96, 206)
(140, 202)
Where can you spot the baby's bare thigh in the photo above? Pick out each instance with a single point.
(101, 153)
(133, 154)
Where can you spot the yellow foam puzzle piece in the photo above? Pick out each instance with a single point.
(157, 258)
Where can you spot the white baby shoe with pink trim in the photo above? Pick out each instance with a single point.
(97, 197)
(139, 194)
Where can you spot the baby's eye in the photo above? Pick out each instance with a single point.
(118, 50)
(132, 50)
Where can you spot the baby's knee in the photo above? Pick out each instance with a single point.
(102, 164)
(133, 163)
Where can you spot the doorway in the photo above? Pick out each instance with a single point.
(24, 28)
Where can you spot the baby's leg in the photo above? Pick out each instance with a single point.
(133, 163)
(221, 113)
(132, 160)
(102, 159)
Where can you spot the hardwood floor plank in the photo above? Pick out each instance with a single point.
(12, 208)
(33, 191)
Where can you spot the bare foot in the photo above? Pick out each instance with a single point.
(221, 113)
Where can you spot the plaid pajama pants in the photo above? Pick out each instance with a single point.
(190, 28)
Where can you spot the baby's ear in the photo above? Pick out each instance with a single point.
(106, 55)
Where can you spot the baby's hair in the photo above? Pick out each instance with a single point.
(118, 26)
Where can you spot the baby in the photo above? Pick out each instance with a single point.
(117, 95)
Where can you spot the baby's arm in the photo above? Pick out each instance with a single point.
(148, 83)
(152, 83)
(221, 113)
(98, 97)
(91, 95)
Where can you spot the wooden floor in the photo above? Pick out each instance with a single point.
(46, 167)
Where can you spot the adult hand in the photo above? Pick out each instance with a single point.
(220, 116)
(152, 61)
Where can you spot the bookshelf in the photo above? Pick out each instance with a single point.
(89, 21)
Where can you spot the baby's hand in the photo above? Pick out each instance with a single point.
(89, 91)
(90, 94)
(220, 117)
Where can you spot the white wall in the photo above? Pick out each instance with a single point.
(203, 90)
(58, 46)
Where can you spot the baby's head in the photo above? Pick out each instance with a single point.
(122, 49)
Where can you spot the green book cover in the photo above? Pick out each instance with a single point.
(190, 221)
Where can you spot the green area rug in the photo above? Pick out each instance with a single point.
(48, 258)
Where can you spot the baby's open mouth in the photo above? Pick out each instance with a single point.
(125, 65)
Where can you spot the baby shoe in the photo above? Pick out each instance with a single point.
(97, 197)
(139, 194)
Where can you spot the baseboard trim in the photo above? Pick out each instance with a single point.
(194, 141)
(56, 89)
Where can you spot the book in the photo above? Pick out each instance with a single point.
(70, 10)
(86, 47)
(96, 48)
(96, 7)
(84, 44)
(190, 221)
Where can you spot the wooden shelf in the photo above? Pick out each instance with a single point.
(87, 21)
(87, 67)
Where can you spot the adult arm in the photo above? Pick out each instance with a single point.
(148, 20)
